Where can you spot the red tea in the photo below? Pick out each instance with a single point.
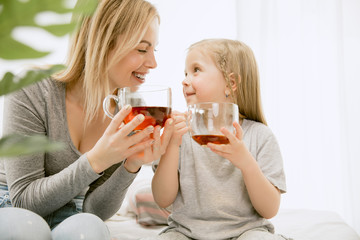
(153, 116)
(205, 139)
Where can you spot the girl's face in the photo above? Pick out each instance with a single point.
(203, 82)
(131, 70)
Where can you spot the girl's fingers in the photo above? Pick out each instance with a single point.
(167, 133)
(157, 142)
(238, 130)
(222, 150)
(176, 113)
(228, 134)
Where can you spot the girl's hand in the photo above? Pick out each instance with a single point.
(154, 151)
(180, 128)
(234, 150)
(115, 145)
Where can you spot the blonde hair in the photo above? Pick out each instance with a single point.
(91, 44)
(232, 56)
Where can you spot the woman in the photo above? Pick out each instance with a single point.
(112, 48)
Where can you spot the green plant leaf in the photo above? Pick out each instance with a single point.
(11, 83)
(11, 49)
(17, 145)
(16, 13)
(60, 29)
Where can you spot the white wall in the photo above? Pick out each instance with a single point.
(184, 22)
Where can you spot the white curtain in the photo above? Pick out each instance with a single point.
(308, 53)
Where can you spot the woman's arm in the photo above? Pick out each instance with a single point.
(42, 183)
(106, 195)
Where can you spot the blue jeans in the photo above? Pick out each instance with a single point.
(67, 222)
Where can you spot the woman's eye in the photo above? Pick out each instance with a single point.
(142, 50)
(196, 69)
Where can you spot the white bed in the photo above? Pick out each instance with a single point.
(299, 224)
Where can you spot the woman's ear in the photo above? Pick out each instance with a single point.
(233, 82)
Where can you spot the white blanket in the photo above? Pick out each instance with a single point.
(299, 224)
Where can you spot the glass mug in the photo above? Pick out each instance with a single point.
(153, 101)
(206, 119)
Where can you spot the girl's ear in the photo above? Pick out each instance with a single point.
(233, 82)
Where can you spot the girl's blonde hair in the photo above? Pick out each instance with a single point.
(96, 36)
(232, 56)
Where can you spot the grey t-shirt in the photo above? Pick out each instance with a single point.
(212, 202)
(44, 183)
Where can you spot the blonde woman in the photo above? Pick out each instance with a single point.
(113, 48)
(224, 191)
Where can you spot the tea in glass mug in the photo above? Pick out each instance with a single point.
(206, 119)
(153, 101)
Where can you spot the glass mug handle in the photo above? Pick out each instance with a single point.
(106, 105)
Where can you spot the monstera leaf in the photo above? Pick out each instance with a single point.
(11, 82)
(22, 13)
(16, 145)
(16, 13)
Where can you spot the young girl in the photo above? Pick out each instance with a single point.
(223, 191)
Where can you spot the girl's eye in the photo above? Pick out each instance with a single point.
(196, 69)
(142, 50)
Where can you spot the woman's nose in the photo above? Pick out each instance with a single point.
(151, 61)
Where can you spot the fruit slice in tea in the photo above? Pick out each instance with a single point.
(153, 116)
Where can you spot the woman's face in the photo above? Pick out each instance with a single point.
(131, 70)
(203, 82)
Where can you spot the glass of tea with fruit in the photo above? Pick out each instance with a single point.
(206, 119)
(153, 101)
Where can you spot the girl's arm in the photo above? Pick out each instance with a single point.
(264, 196)
(165, 183)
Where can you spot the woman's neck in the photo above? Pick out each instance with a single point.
(75, 93)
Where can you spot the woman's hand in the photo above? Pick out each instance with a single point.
(115, 145)
(153, 151)
(235, 149)
(174, 129)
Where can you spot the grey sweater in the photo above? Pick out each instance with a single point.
(43, 183)
(213, 202)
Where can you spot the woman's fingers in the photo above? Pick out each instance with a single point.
(140, 136)
(118, 119)
(139, 147)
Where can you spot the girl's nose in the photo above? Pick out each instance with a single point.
(186, 81)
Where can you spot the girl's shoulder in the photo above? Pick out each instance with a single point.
(251, 125)
(257, 129)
